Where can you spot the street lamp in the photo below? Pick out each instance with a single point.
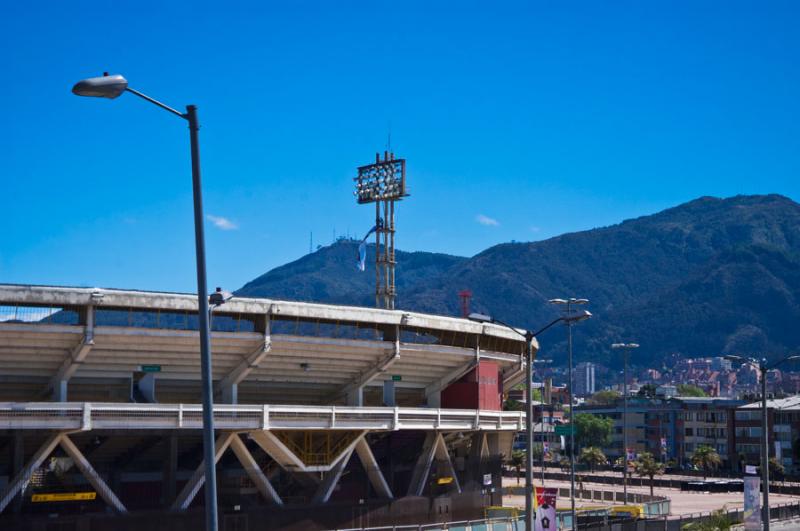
(763, 368)
(569, 303)
(112, 87)
(568, 319)
(541, 418)
(626, 347)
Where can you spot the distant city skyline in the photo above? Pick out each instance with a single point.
(519, 123)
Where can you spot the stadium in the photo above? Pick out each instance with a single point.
(326, 416)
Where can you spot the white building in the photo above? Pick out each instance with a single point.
(584, 379)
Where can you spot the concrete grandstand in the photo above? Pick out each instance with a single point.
(364, 415)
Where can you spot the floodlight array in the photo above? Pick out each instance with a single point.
(381, 181)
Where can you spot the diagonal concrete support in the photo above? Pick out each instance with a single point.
(325, 489)
(21, 480)
(254, 471)
(91, 475)
(433, 393)
(192, 487)
(58, 384)
(353, 390)
(433, 447)
(228, 385)
(278, 451)
(423, 466)
(374, 473)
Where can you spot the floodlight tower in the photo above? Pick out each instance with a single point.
(383, 183)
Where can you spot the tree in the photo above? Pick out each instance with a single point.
(517, 461)
(593, 456)
(716, 521)
(776, 469)
(690, 390)
(513, 405)
(646, 465)
(647, 391)
(592, 430)
(706, 458)
(604, 398)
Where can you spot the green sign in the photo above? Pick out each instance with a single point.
(563, 429)
(151, 368)
(396, 377)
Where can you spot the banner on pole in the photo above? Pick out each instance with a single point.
(752, 503)
(545, 507)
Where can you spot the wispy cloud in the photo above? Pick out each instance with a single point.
(222, 223)
(536, 229)
(486, 220)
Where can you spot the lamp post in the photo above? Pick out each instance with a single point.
(541, 418)
(112, 87)
(763, 368)
(569, 308)
(626, 347)
(481, 318)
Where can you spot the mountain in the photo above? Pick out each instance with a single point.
(707, 277)
(330, 275)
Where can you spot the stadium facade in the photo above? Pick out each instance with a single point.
(326, 416)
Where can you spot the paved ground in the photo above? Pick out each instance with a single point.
(683, 503)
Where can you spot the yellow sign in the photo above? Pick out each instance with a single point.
(64, 496)
(444, 480)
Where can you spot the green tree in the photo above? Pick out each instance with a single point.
(776, 469)
(592, 430)
(593, 456)
(647, 391)
(716, 521)
(706, 458)
(690, 390)
(513, 405)
(604, 398)
(517, 461)
(647, 466)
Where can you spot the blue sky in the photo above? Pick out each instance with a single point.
(519, 120)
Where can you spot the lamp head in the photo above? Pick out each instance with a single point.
(480, 318)
(219, 297)
(101, 87)
(577, 317)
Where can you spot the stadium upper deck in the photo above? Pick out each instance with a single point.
(90, 344)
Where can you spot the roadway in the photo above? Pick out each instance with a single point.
(682, 502)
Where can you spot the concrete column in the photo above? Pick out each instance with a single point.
(170, 489)
(60, 391)
(435, 399)
(230, 394)
(388, 393)
(356, 397)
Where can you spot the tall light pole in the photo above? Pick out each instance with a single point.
(541, 418)
(529, 336)
(569, 308)
(112, 87)
(763, 368)
(626, 347)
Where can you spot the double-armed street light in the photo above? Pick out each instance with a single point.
(626, 347)
(529, 336)
(112, 87)
(763, 368)
(569, 308)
